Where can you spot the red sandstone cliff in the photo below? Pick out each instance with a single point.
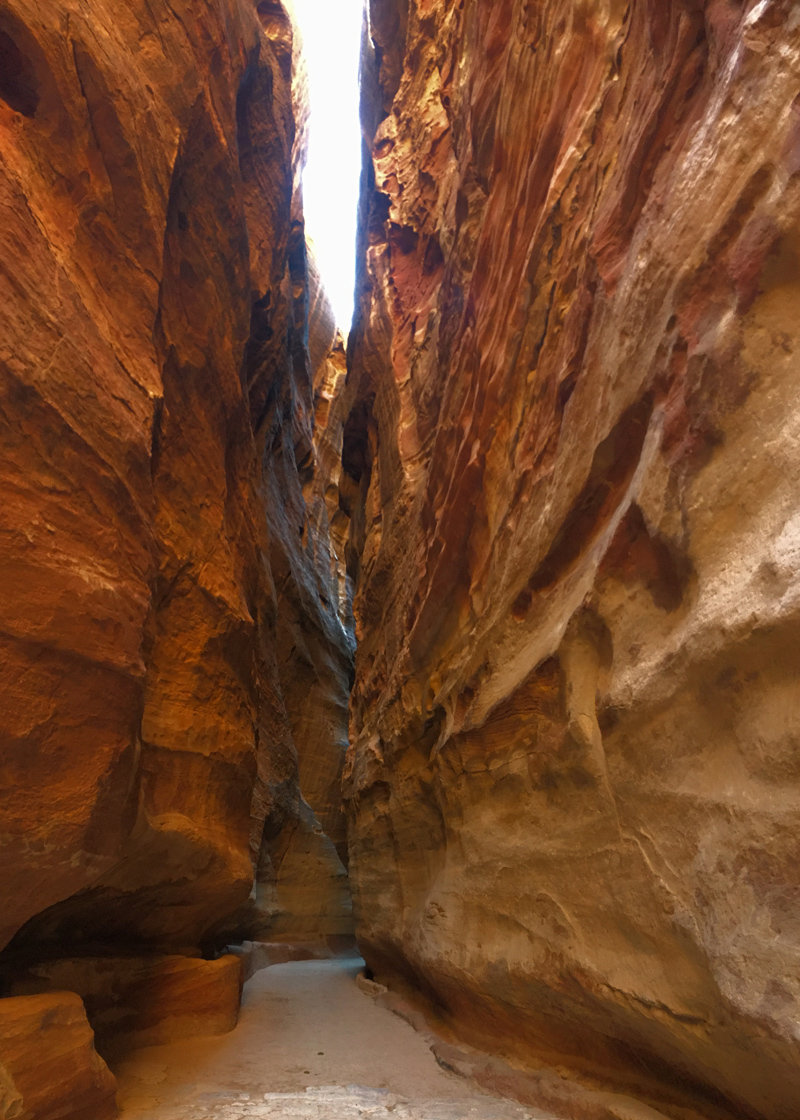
(572, 460)
(162, 606)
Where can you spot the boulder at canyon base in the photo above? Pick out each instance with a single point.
(49, 1068)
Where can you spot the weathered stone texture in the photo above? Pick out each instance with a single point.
(572, 461)
(49, 1068)
(142, 1001)
(157, 420)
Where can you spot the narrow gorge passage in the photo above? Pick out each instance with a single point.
(464, 639)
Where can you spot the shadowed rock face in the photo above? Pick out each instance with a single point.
(572, 461)
(141, 1001)
(157, 572)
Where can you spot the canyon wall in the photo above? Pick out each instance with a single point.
(163, 609)
(571, 460)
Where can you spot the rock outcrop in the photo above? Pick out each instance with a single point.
(571, 460)
(164, 612)
(49, 1068)
(143, 1001)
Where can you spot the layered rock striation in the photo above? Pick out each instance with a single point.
(133, 1002)
(571, 462)
(49, 1068)
(163, 607)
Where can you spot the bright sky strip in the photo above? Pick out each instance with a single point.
(331, 34)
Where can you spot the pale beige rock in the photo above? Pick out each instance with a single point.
(305, 892)
(369, 987)
(572, 460)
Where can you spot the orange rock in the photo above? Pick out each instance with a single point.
(144, 1001)
(49, 1068)
(156, 416)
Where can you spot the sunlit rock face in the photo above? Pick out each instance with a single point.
(572, 458)
(162, 606)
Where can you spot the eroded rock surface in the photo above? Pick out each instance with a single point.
(49, 1068)
(164, 608)
(143, 1001)
(571, 457)
(162, 605)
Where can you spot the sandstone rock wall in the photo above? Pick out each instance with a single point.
(49, 1068)
(139, 1001)
(571, 458)
(161, 606)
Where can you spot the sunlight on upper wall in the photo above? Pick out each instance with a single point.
(331, 33)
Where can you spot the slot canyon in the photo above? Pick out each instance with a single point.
(465, 641)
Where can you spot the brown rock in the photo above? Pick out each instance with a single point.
(144, 1001)
(572, 457)
(156, 413)
(49, 1068)
(305, 891)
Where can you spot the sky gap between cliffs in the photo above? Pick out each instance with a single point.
(331, 35)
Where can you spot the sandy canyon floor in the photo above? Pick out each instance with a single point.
(309, 1046)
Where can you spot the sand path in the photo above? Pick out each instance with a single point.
(309, 1045)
